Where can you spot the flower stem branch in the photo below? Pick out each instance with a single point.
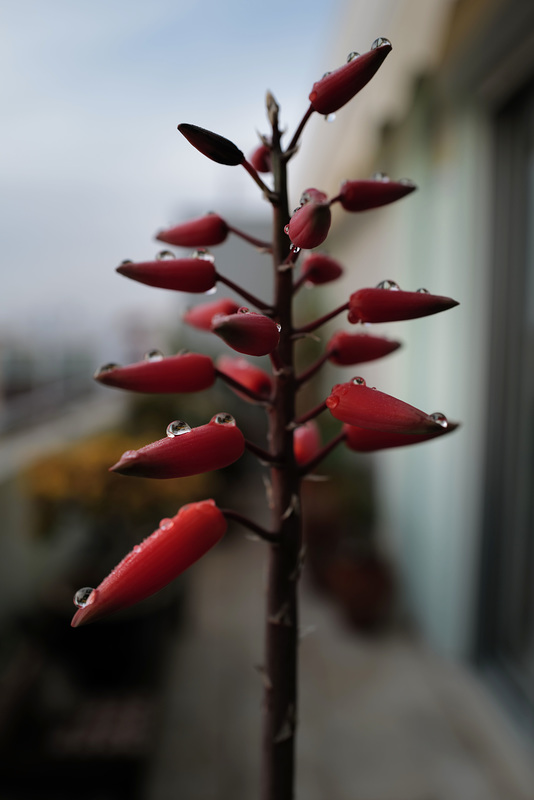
(250, 298)
(325, 451)
(314, 412)
(321, 320)
(263, 455)
(229, 513)
(265, 247)
(240, 387)
(291, 149)
(269, 194)
(315, 367)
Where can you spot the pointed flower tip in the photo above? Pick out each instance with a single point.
(388, 303)
(196, 274)
(212, 145)
(357, 404)
(247, 332)
(186, 451)
(206, 231)
(177, 544)
(335, 89)
(185, 372)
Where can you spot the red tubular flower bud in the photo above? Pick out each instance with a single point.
(186, 451)
(387, 303)
(365, 440)
(247, 332)
(318, 268)
(338, 87)
(187, 372)
(195, 274)
(201, 232)
(241, 370)
(309, 225)
(359, 405)
(151, 565)
(345, 349)
(261, 158)
(201, 316)
(365, 195)
(212, 145)
(306, 442)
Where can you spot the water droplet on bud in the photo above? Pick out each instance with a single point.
(440, 418)
(351, 56)
(165, 524)
(406, 182)
(380, 42)
(326, 73)
(381, 176)
(177, 428)
(358, 381)
(279, 327)
(295, 250)
(329, 117)
(163, 255)
(286, 230)
(203, 255)
(154, 355)
(243, 310)
(213, 290)
(126, 261)
(106, 368)
(224, 419)
(391, 285)
(422, 290)
(82, 596)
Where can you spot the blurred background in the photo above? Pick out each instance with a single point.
(417, 659)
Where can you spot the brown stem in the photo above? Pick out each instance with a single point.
(229, 513)
(265, 247)
(311, 414)
(281, 633)
(269, 194)
(294, 141)
(322, 454)
(311, 326)
(315, 367)
(239, 387)
(250, 298)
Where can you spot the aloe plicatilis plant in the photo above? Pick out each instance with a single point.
(372, 420)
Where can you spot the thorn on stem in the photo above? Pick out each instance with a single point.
(287, 729)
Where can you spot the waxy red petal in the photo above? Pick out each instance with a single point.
(338, 87)
(241, 370)
(202, 315)
(365, 440)
(201, 449)
(154, 563)
(346, 349)
(368, 408)
(390, 305)
(309, 225)
(306, 442)
(368, 194)
(212, 145)
(188, 372)
(319, 268)
(179, 274)
(260, 158)
(201, 232)
(247, 332)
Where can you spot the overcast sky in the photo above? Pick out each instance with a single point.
(90, 158)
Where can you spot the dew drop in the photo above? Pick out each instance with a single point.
(224, 419)
(163, 255)
(137, 548)
(406, 182)
(154, 355)
(381, 176)
(440, 418)
(106, 368)
(330, 118)
(391, 285)
(351, 56)
(278, 327)
(332, 401)
(286, 230)
(126, 261)
(204, 255)
(305, 198)
(130, 455)
(380, 42)
(358, 381)
(295, 250)
(183, 352)
(165, 524)
(243, 310)
(422, 290)
(213, 290)
(326, 74)
(82, 596)
(177, 428)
